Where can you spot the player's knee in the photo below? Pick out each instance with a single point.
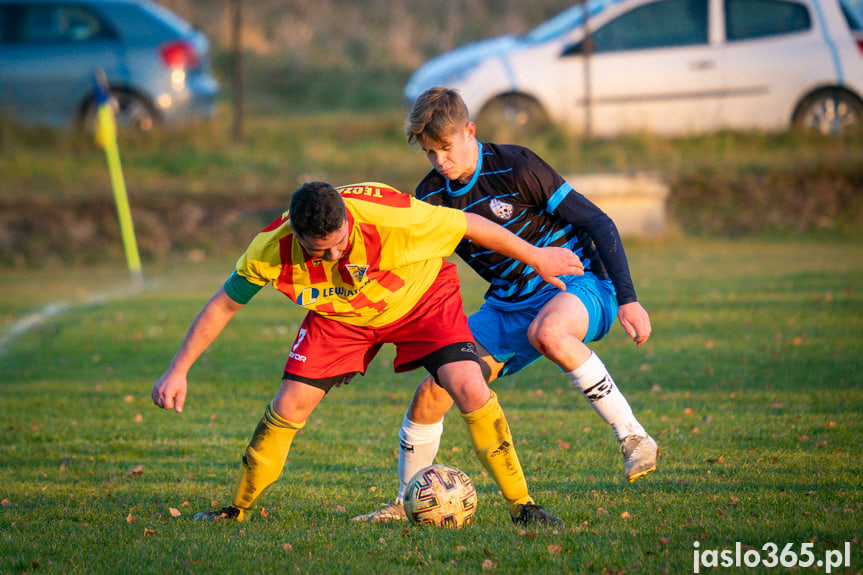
(545, 337)
(464, 382)
(555, 335)
(430, 402)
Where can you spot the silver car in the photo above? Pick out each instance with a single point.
(157, 66)
(668, 67)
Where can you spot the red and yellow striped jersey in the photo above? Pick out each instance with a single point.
(395, 252)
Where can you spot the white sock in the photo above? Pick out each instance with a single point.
(418, 445)
(594, 381)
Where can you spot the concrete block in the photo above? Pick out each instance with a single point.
(636, 203)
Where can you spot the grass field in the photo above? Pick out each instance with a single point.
(751, 384)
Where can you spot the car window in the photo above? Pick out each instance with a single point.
(853, 16)
(40, 23)
(746, 19)
(567, 20)
(662, 24)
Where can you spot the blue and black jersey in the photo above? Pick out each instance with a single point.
(515, 188)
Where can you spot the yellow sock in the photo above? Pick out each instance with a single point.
(492, 442)
(265, 456)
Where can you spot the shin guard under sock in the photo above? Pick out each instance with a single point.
(418, 445)
(265, 456)
(595, 383)
(493, 445)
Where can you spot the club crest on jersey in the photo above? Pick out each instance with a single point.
(501, 209)
(308, 296)
(358, 272)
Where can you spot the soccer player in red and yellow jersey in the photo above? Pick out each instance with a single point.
(366, 261)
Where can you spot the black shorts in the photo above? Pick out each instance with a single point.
(463, 351)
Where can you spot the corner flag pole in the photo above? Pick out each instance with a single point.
(106, 138)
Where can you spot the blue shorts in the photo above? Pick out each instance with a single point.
(501, 327)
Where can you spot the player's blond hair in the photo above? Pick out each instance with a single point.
(436, 113)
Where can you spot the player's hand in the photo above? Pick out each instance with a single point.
(635, 321)
(170, 392)
(554, 262)
(346, 379)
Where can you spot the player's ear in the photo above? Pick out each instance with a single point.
(470, 130)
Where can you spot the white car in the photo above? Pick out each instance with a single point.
(670, 67)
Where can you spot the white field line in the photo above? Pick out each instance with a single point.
(53, 309)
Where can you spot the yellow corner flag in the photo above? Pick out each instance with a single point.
(106, 138)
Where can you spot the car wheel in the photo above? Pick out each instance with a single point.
(131, 111)
(511, 115)
(830, 112)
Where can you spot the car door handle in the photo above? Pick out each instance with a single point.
(702, 65)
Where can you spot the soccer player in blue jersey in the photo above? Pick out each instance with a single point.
(523, 317)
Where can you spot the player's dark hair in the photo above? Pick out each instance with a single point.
(317, 210)
(434, 115)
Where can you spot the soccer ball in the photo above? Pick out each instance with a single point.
(440, 495)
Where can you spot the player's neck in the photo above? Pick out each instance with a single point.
(466, 177)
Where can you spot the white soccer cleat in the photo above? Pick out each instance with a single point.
(639, 456)
(390, 512)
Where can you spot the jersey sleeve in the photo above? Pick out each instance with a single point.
(423, 232)
(261, 263)
(435, 230)
(544, 186)
(407, 231)
(240, 289)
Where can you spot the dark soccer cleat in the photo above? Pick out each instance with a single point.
(531, 514)
(229, 513)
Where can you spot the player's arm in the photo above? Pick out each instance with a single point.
(549, 262)
(631, 315)
(541, 184)
(169, 392)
